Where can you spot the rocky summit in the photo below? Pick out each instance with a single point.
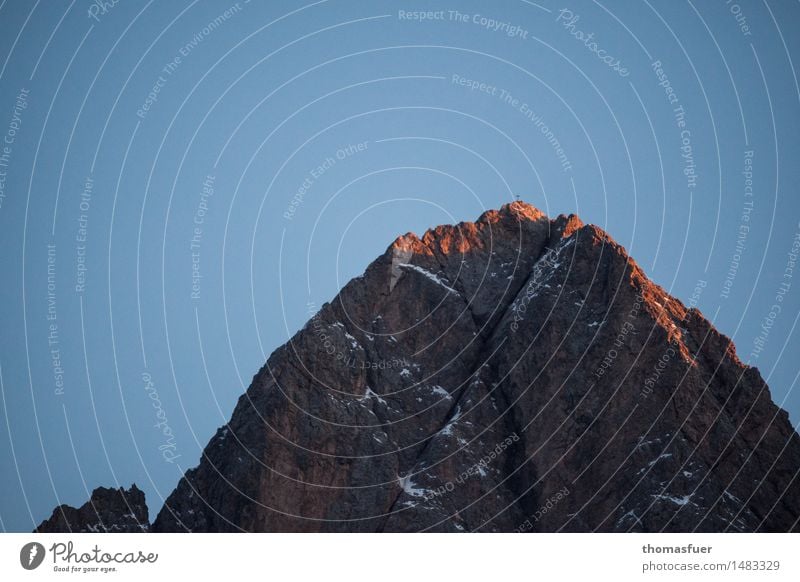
(512, 374)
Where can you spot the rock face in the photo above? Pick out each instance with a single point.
(512, 374)
(108, 511)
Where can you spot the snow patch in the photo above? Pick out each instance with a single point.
(410, 487)
(656, 460)
(353, 341)
(643, 443)
(428, 275)
(732, 497)
(448, 429)
(370, 394)
(439, 391)
(683, 500)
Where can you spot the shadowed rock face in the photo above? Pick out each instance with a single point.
(108, 511)
(512, 374)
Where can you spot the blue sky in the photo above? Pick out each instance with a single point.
(180, 180)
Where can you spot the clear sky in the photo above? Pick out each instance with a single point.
(179, 180)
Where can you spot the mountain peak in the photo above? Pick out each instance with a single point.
(488, 369)
(517, 210)
(465, 236)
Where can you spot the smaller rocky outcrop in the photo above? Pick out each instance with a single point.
(108, 510)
